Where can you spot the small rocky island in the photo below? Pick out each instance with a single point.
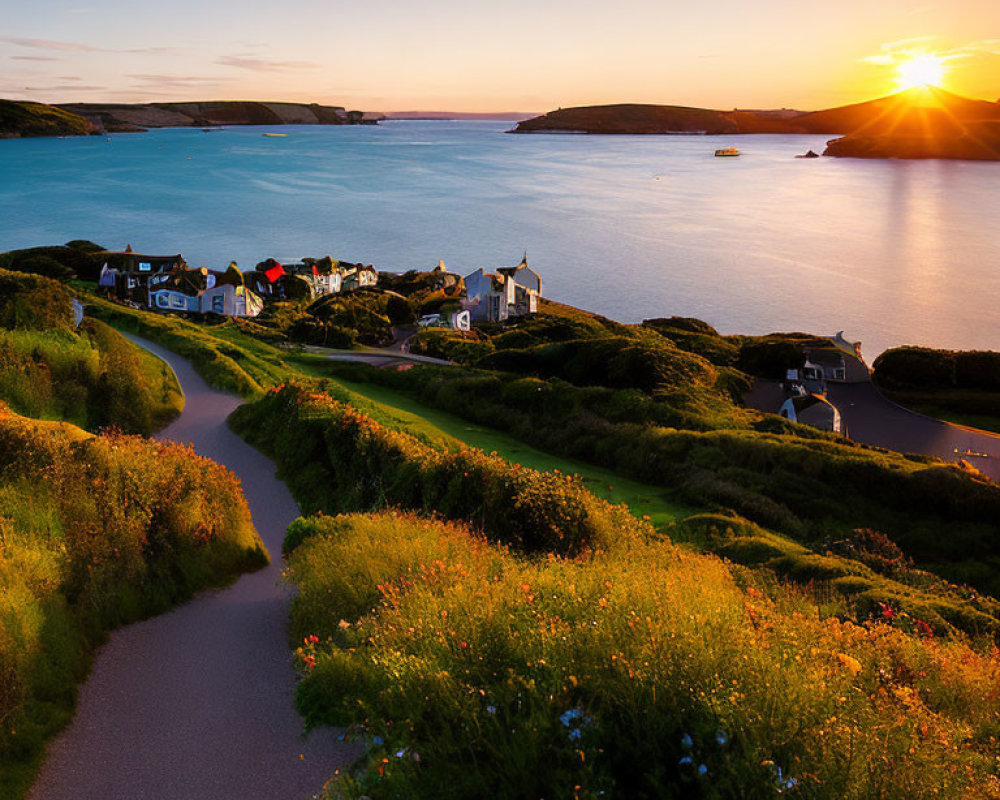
(22, 118)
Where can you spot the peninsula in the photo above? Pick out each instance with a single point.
(922, 122)
(21, 118)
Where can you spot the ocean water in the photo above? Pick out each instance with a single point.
(891, 252)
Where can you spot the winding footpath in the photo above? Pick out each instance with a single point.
(198, 702)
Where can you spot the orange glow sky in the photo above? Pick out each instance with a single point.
(522, 55)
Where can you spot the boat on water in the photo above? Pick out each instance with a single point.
(274, 134)
(727, 152)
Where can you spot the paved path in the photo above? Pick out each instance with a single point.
(198, 703)
(872, 419)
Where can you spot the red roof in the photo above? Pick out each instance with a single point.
(274, 273)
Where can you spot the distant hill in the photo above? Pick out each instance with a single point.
(125, 117)
(634, 118)
(18, 118)
(499, 116)
(918, 123)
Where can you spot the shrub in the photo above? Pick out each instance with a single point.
(336, 459)
(76, 259)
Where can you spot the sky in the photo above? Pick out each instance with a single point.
(464, 55)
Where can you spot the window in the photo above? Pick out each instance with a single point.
(218, 304)
(145, 266)
(162, 301)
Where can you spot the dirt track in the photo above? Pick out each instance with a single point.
(198, 703)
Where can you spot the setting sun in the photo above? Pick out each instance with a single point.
(921, 70)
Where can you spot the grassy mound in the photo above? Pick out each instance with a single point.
(91, 376)
(642, 672)
(77, 259)
(245, 369)
(335, 458)
(96, 532)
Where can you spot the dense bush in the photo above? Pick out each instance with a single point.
(96, 532)
(769, 358)
(31, 302)
(462, 347)
(697, 337)
(336, 459)
(365, 311)
(79, 258)
(920, 368)
(643, 672)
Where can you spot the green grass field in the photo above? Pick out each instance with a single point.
(652, 502)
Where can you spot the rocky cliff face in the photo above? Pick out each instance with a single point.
(19, 119)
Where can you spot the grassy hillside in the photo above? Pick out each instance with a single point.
(21, 118)
(666, 416)
(642, 671)
(581, 648)
(91, 376)
(793, 500)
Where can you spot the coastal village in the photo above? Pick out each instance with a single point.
(167, 283)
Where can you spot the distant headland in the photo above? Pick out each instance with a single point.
(22, 118)
(923, 122)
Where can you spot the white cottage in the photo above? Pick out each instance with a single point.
(510, 292)
(232, 301)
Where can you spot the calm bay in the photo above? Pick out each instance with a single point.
(891, 252)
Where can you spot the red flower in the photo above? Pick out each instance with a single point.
(924, 628)
(313, 639)
(310, 661)
(887, 611)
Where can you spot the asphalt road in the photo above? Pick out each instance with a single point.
(198, 703)
(872, 419)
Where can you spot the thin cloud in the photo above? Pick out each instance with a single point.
(50, 44)
(145, 79)
(893, 53)
(65, 87)
(263, 65)
(155, 51)
(80, 47)
(35, 58)
(984, 47)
